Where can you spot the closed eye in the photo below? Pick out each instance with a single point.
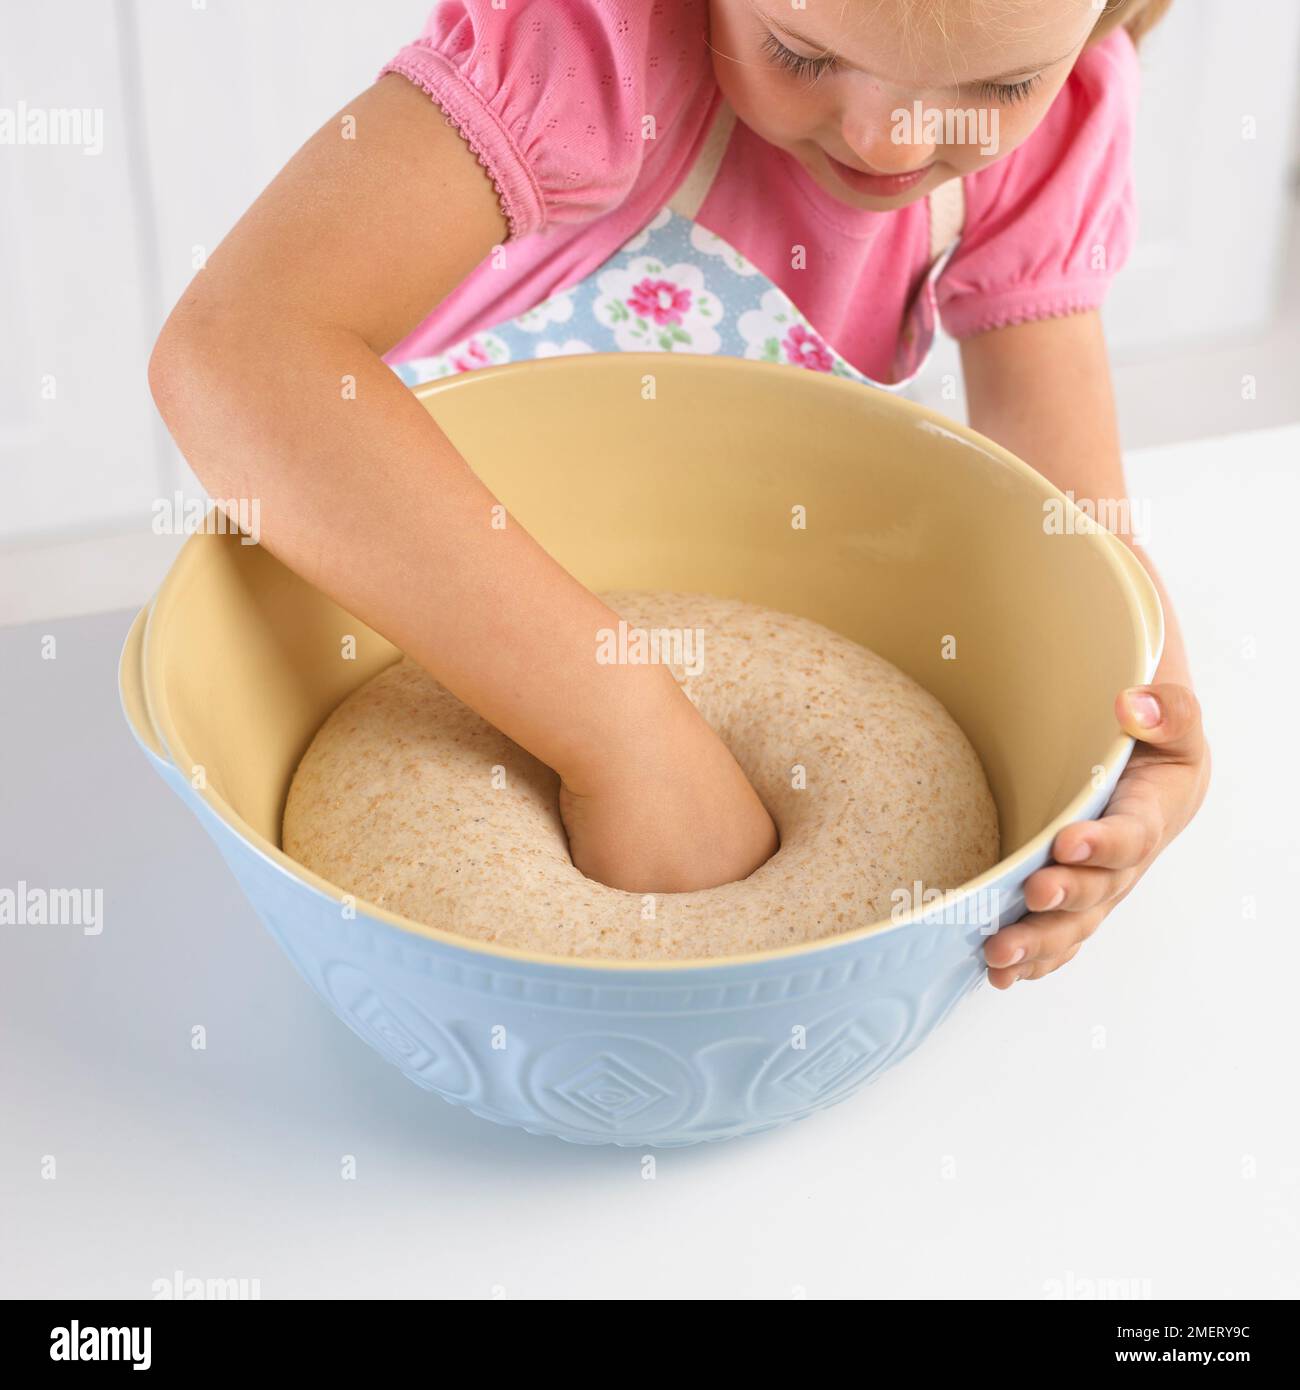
(794, 62)
(1008, 93)
(1005, 93)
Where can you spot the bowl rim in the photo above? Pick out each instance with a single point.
(143, 694)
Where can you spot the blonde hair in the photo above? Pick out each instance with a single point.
(1139, 17)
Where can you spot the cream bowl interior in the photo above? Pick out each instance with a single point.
(808, 494)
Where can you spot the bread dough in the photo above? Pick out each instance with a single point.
(407, 799)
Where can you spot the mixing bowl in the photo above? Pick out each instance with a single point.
(774, 484)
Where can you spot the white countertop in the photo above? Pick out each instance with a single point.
(1132, 1118)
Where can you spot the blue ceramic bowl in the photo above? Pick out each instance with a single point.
(910, 533)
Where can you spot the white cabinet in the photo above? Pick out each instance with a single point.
(1215, 167)
(78, 293)
(201, 102)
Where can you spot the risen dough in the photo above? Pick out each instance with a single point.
(407, 799)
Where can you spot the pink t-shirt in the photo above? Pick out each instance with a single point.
(552, 97)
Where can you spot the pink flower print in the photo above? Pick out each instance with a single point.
(806, 349)
(471, 356)
(660, 300)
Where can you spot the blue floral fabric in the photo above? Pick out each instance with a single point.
(675, 287)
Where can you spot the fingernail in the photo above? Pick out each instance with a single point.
(1056, 900)
(1019, 956)
(1145, 709)
(1076, 854)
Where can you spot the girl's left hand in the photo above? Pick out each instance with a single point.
(1098, 862)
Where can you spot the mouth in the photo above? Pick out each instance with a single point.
(877, 185)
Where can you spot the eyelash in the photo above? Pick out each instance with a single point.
(1006, 93)
(795, 62)
(1009, 93)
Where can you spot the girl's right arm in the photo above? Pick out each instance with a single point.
(352, 244)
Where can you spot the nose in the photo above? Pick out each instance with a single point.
(887, 134)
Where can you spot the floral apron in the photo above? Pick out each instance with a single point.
(677, 287)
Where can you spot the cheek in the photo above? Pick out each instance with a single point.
(1008, 126)
(775, 105)
(782, 110)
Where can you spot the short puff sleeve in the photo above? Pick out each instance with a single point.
(553, 98)
(1049, 226)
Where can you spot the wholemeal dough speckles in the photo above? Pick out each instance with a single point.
(407, 799)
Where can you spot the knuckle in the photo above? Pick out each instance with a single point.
(1182, 706)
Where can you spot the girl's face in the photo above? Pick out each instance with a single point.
(882, 100)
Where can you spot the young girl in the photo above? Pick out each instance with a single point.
(822, 178)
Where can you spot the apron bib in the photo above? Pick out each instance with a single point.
(677, 287)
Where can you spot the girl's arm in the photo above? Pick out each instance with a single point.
(1042, 390)
(352, 244)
